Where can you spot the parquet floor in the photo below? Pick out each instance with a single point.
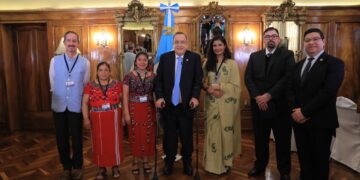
(33, 155)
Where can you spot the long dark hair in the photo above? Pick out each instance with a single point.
(211, 56)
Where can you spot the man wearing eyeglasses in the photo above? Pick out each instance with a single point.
(177, 89)
(266, 78)
(312, 94)
(68, 74)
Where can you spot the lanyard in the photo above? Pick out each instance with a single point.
(67, 65)
(142, 80)
(218, 70)
(106, 87)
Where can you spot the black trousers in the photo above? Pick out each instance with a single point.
(281, 127)
(177, 122)
(313, 149)
(69, 124)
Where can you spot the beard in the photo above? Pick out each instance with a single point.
(71, 48)
(270, 45)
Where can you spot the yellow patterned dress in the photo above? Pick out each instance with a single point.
(222, 121)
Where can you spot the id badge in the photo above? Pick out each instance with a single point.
(215, 85)
(217, 78)
(69, 83)
(105, 107)
(143, 99)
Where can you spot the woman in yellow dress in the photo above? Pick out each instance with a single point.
(222, 122)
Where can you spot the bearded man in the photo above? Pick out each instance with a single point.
(266, 78)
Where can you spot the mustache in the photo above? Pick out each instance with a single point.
(71, 45)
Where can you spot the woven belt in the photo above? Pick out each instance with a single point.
(99, 109)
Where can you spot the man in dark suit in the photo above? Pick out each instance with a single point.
(266, 78)
(177, 89)
(312, 97)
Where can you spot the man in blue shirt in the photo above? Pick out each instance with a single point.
(69, 72)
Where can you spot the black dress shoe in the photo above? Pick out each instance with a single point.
(255, 171)
(285, 177)
(167, 169)
(188, 170)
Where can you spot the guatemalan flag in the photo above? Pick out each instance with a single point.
(166, 39)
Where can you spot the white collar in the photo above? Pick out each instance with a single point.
(316, 56)
(271, 52)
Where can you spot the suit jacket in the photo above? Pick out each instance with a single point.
(190, 81)
(316, 96)
(273, 80)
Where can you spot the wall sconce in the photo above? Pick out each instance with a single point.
(246, 36)
(102, 38)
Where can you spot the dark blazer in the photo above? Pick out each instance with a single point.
(316, 96)
(274, 79)
(191, 77)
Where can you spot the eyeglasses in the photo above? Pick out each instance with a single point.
(71, 40)
(312, 39)
(272, 36)
(179, 42)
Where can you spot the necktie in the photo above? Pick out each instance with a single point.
(176, 91)
(268, 55)
(306, 70)
(267, 60)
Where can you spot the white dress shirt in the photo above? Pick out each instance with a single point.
(312, 62)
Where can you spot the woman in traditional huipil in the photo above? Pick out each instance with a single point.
(139, 112)
(222, 123)
(102, 113)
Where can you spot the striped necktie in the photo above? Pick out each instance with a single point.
(307, 69)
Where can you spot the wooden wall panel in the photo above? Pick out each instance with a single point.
(43, 65)
(11, 79)
(27, 68)
(108, 53)
(4, 126)
(32, 73)
(241, 54)
(346, 40)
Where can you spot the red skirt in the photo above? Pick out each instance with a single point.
(107, 137)
(142, 129)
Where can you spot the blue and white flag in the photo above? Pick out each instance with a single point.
(166, 39)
